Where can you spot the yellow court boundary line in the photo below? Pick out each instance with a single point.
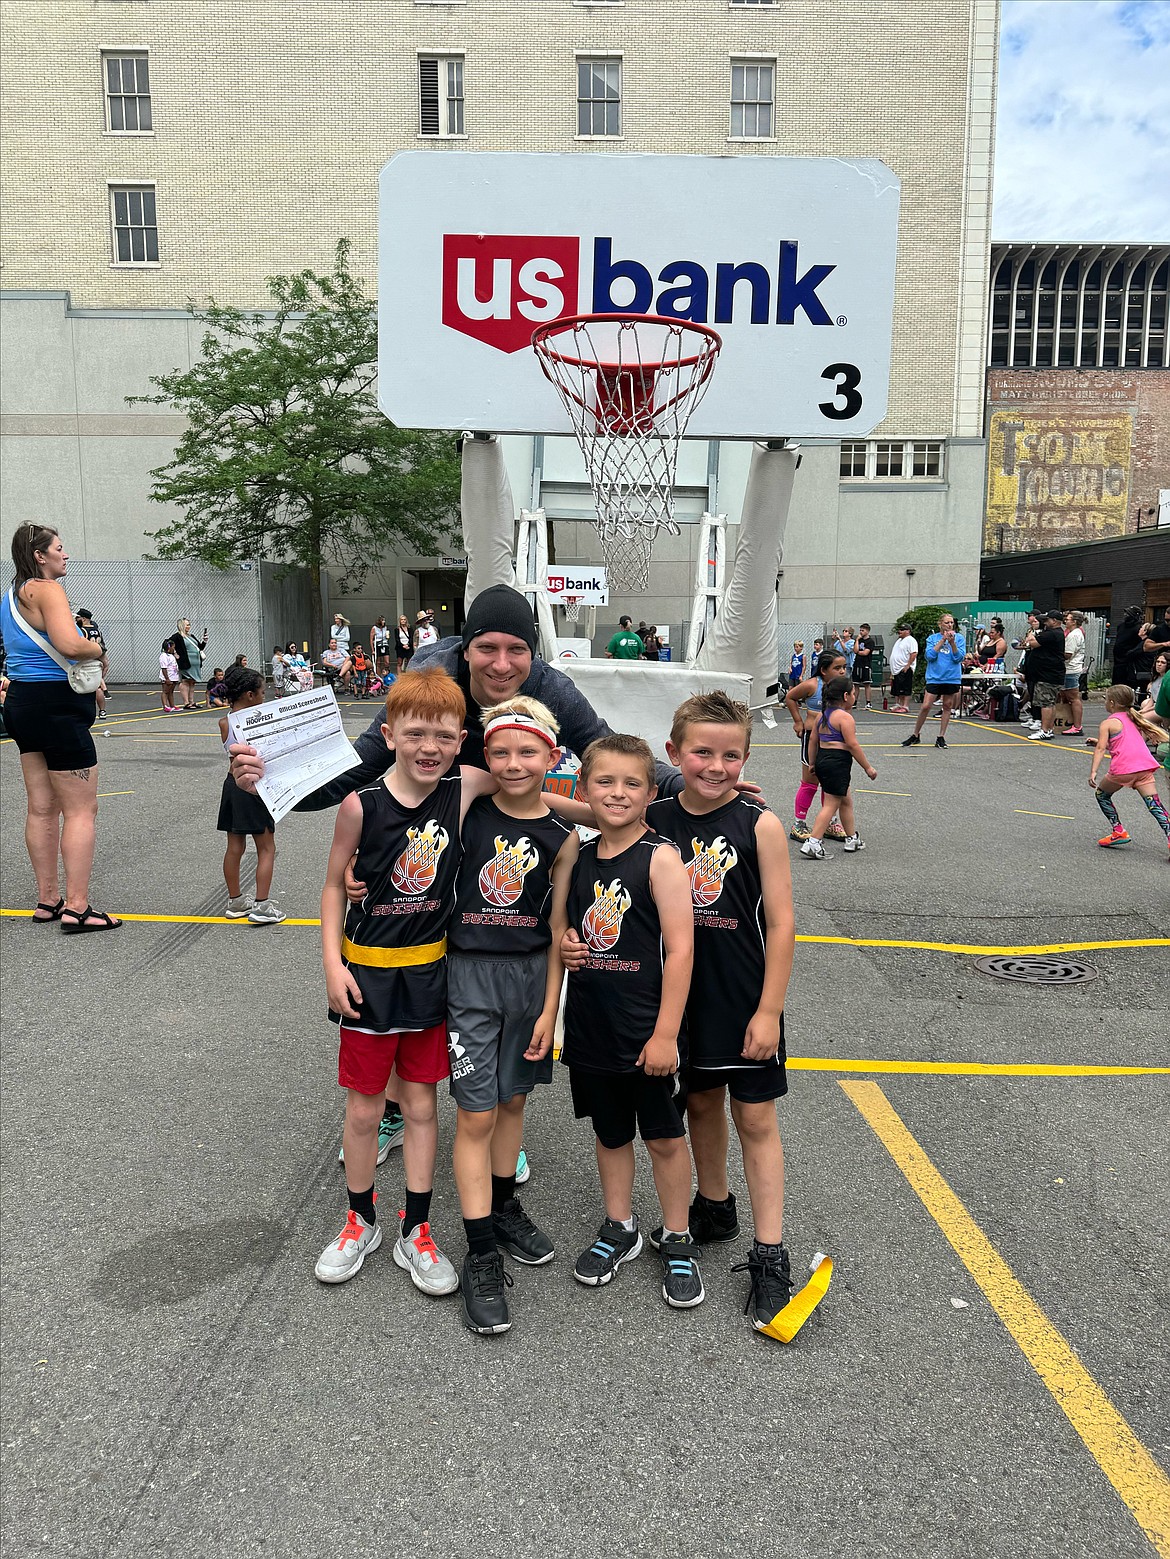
(1061, 817)
(961, 948)
(971, 1068)
(1108, 1438)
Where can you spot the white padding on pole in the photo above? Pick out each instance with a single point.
(641, 698)
(489, 516)
(710, 576)
(743, 636)
(532, 577)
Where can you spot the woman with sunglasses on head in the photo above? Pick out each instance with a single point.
(50, 720)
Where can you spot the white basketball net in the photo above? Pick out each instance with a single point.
(629, 385)
(572, 609)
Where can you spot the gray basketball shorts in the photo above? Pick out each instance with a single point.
(492, 1007)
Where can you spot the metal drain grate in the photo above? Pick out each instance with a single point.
(1033, 970)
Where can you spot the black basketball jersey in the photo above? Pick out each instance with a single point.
(395, 939)
(719, 853)
(503, 892)
(612, 1002)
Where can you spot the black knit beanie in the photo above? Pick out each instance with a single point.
(500, 609)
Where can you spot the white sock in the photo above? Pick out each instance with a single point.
(628, 1224)
(676, 1234)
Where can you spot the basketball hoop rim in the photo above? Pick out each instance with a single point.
(541, 344)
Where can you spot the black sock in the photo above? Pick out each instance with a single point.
(362, 1202)
(723, 1206)
(480, 1239)
(418, 1210)
(503, 1190)
(391, 1109)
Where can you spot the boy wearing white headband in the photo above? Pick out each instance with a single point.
(503, 990)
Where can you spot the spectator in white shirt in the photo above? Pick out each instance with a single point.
(903, 655)
(1074, 665)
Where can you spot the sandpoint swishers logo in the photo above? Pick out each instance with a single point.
(602, 922)
(501, 880)
(708, 866)
(414, 870)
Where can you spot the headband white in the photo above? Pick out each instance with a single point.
(515, 721)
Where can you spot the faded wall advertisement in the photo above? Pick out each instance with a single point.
(1054, 478)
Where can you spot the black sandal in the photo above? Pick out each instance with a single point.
(81, 921)
(54, 913)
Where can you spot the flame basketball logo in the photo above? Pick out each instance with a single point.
(707, 869)
(602, 924)
(502, 878)
(414, 870)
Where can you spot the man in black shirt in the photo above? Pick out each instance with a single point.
(1046, 662)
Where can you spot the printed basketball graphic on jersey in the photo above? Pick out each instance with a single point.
(414, 870)
(602, 924)
(707, 868)
(501, 880)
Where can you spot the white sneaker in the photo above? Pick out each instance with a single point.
(429, 1269)
(238, 908)
(854, 842)
(1035, 725)
(1038, 734)
(342, 1258)
(814, 849)
(266, 913)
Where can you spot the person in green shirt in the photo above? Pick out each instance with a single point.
(625, 644)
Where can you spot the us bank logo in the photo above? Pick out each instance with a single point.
(498, 287)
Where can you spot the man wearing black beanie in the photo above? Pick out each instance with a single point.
(494, 660)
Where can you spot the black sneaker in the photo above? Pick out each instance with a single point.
(682, 1282)
(520, 1237)
(710, 1223)
(940, 741)
(912, 741)
(771, 1283)
(482, 1285)
(612, 1246)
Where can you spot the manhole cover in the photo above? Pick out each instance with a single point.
(1033, 970)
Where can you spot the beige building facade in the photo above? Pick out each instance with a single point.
(158, 151)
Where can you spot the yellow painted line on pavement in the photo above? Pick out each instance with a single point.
(1108, 1438)
(972, 1068)
(905, 794)
(837, 941)
(1064, 818)
(103, 793)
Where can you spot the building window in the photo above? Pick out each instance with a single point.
(751, 99)
(127, 79)
(599, 97)
(751, 2)
(440, 95)
(133, 224)
(891, 460)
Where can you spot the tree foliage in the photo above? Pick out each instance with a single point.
(286, 455)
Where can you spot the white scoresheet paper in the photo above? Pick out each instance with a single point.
(302, 743)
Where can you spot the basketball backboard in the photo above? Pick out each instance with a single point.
(790, 259)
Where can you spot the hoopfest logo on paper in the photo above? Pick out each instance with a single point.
(501, 880)
(602, 924)
(707, 868)
(414, 870)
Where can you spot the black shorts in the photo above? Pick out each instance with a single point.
(941, 689)
(833, 771)
(50, 718)
(902, 682)
(862, 673)
(748, 1084)
(624, 1104)
(804, 740)
(240, 812)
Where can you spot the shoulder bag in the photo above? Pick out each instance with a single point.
(85, 676)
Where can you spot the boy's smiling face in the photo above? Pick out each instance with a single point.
(518, 760)
(711, 758)
(424, 747)
(618, 790)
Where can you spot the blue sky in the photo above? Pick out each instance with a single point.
(1083, 127)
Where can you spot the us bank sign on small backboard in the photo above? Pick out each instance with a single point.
(790, 259)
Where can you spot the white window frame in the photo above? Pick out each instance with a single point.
(733, 5)
(449, 103)
(115, 187)
(748, 62)
(128, 51)
(600, 57)
(909, 453)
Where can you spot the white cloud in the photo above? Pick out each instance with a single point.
(1083, 131)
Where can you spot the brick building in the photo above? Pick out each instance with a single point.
(173, 151)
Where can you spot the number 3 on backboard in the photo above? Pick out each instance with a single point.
(846, 401)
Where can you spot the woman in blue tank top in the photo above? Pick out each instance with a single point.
(50, 724)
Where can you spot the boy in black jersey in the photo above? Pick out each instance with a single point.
(386, 968)
(627, 901)
(736, 858)
(503, 990)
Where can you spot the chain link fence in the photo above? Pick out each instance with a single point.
(138, 603)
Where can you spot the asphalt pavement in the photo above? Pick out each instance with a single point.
(176, 1381)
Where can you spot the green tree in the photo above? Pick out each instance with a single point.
(286, 455)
